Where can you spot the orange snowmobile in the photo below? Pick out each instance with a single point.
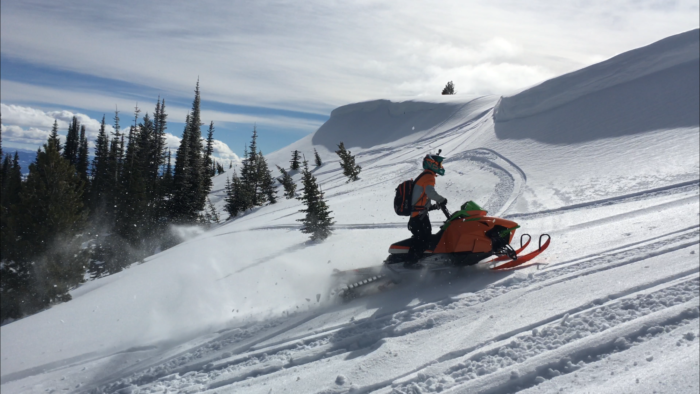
(467, 237)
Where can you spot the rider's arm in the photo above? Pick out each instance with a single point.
(433, 195)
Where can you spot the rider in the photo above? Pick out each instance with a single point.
(423, 192)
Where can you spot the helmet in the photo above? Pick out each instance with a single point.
(434, 163)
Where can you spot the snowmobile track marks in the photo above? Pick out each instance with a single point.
(249, 360)
(642, 195)
(562, 344)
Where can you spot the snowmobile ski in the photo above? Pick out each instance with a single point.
(517, 251)
(525, 258)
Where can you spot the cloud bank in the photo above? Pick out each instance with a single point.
(29, 128)
(316, 55)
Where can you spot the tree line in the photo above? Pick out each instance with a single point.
(255, 187)
(73, 216)
(76, 217)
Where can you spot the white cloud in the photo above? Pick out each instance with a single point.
(28, 117)
(172, 142)
(223, 152)
(31, 138)
(29, 128)
(316, 55)
(99, 102)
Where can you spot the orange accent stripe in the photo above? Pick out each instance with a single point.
(399, 247)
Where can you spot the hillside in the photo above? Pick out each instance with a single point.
(606, 160)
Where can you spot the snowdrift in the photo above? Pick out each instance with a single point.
(662, 56)
(606, 160)
(373, 123)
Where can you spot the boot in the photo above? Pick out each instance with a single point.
(412, 259)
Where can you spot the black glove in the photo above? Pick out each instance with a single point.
(443, 203)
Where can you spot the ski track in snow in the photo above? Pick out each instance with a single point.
(196, 371)
(677, 188)
(684, 187)
(569, 329)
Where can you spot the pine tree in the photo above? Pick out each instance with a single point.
(10, 190)
(234, 199)
(13, 182)
(83, 163)
(244, 193)
(167, 178)
(295, 160)
(288, 183)
(158, 173)
(208, 162)
(46, 221)
(212, 214)
(53, 137)
(15, 275)
(70, 151)
(112, 187)
(350, 169)
(228, 198)
(317, 158)
(4, 172)
(268, 191)
(209, 151)
(317, 220)
(250, 179)
(449, 89)
(181, 181)
(196, 163)
(219, 169)
(189, 189)
(133, 224)
(157, 149)
(100, 172)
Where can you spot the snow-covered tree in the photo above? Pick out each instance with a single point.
(317, 220)
(317, 157)
(268, 191)
(347, 162)
(288, 183)
(296, 158)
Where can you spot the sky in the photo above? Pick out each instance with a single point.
(283, 66)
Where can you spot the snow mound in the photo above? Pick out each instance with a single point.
(371, 123)
(675, 51)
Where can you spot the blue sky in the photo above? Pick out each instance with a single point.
(285, 65)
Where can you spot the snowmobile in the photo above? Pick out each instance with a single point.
(467, 237)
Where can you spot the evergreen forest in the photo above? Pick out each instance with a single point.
(77, 217)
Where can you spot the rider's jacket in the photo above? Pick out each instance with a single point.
(423, 192)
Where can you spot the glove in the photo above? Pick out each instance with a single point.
(443, 203)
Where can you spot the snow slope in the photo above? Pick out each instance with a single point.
(606, 160)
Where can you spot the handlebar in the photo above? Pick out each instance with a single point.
(445, 211)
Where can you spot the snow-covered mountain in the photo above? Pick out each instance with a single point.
(606, 160)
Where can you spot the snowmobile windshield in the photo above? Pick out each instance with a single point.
(469, 211)
(471, 206)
